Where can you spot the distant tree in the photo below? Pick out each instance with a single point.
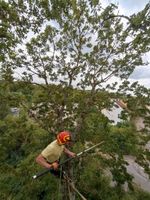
(136, 107)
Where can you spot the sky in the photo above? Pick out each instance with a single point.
(128, 7)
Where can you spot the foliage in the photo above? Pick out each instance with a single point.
(73, 48)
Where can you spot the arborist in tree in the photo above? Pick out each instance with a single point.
(49, 157)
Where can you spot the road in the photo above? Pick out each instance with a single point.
(140, 178)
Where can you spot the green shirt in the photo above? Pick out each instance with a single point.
(53, 151)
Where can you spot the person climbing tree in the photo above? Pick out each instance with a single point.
(49, 157)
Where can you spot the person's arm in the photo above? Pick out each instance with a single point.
(42, 161)
(69, 153)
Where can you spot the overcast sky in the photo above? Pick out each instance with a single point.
(128, 7)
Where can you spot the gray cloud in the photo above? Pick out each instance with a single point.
(141, 73)
(145, 82)
(133, 4)
(128, 7)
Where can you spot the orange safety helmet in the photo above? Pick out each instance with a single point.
(63, 137)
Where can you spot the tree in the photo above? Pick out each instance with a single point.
(75, 44)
